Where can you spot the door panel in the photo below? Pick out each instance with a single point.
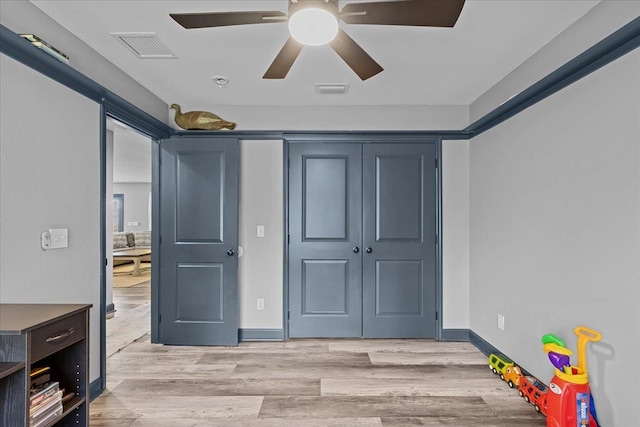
(399, 288)
(398, 201)
(319, 192)
(198, 225)
(325, 287)
(325, 209)
(198, 213)
(399, 274)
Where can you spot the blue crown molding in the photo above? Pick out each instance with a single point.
(21, 50)
(608, 50)
(333, 135)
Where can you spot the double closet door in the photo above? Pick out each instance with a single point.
(362, 242)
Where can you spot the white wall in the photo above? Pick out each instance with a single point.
(605, 18)
(49, 176)
(261, 203)
(136, 204)
(20, 16)
(455, 234)
(555, 232)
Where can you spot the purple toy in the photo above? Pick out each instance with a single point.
(559, 360)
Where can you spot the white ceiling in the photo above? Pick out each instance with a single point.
(423, 66)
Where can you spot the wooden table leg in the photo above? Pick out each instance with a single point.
(136, 266)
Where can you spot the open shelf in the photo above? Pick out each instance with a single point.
(34, 336)
(67, 409)
(8, 368)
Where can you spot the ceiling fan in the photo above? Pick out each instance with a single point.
(315, 23)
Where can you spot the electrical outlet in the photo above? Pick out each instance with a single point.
(260, 304)
(501, 322)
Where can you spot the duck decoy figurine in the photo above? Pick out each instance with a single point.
(200, 120)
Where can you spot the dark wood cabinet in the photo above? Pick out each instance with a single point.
(37, 335)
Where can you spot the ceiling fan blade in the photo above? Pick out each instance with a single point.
(285, 59)
(223, 19)
(355, 57)
(418, 13)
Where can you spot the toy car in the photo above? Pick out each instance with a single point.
(534, 392)
(499, 363)
(512, 376)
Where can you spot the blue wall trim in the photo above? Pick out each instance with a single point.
(95, 389)
(609, 49)
(481, 344)
(333, 135)
(455, 335)
(103, 254)
(261, 334)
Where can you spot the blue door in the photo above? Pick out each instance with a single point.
(362, 251)
(399, 225)
(198, 292)
(325, 263)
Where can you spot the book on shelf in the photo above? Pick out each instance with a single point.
(43, 391)
(44, 410)
(43, 45)
(40, 376)
(45, 419)
(36, 410)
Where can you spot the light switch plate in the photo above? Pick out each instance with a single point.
(59, 238)
(260, 231)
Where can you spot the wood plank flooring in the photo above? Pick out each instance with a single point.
(305, 383)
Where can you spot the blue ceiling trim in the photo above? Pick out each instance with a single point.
(328, 136)
(609, 49)
(21, 50)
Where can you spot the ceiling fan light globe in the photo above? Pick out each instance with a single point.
(313, 26)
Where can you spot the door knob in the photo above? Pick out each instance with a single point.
(368, 250)
(356, 249)
(231, 252)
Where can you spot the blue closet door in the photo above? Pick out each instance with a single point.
(399, 223)
(325, 227)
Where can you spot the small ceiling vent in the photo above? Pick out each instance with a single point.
(334, 89)
(145, 45)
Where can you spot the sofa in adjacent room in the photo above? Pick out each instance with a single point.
(127, 240)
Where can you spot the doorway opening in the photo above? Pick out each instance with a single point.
(128, 235)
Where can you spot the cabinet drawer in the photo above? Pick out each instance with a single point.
(58, 335)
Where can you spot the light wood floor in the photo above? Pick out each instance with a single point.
(302, 383)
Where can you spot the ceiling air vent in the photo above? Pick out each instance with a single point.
(334, 89)
(145, 45)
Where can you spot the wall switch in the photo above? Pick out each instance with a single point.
(260, 304)
(260, 231)
(55, 238)
(59, 237)
(501, 322)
